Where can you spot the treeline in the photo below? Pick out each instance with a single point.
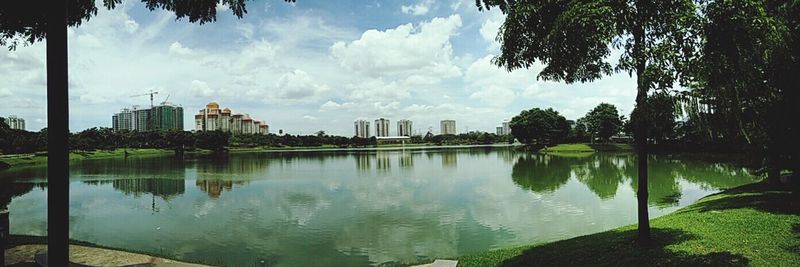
(19, 141)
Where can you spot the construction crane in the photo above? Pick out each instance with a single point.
(151, 93)
(165, 100)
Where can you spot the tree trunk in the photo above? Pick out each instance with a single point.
(57, 136)
(4, 234)
(640, 133)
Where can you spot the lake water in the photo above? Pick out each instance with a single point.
(354, 208)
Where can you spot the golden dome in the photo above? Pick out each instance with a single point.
(226, 110)
(212, 105)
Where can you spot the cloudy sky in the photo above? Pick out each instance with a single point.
(302, 67)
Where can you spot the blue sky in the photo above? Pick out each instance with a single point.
(302, 67)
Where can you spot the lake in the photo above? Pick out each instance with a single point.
(358, 207)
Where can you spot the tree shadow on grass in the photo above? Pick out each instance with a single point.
(620, 248)
(776, 199)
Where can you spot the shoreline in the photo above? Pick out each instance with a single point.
(16, 161)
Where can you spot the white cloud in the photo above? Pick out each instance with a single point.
(309, 117)
(418, 9)
(131, 26)
(4, 92)
(406, 50)
(489, 31)
(201, 89)
(178, 49)
(297, 85)
(495, 96)
(222, 7)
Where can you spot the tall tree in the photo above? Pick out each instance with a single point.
(25, 22)
(574, 38)
(751, 75)
(603, 121)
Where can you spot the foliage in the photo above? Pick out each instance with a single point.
(538, 126)
(747, 79)
(661, 114)
(213, 140)
(573, 39)
(603, 121)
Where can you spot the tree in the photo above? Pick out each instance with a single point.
(538, 126)
(603, 121)
(749, 77)
(573, 39)
(661, 115)
(213, 140)
(27, 22)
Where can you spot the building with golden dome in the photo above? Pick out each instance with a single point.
(212, 118)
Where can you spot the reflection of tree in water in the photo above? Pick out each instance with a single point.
(714, 175)
(541, 173)
(214, 187)
(10, 190)
(603, 173)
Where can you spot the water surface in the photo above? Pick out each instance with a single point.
(353, 208)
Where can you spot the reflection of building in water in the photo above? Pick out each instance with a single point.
(362, 161)
(382, 160)
(449, 159)
(215, 187)
(164, 188)
(406, 159)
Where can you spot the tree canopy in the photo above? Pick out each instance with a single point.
(603, 121)
(539, 126)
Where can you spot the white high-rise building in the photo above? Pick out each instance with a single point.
(506, 128)
(381, 127)
(362, 128)
(448, 126)
(15, 122)
(404, 128)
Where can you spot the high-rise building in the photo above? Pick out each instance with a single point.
(499, 130)
(15, 122)
(404, 128)
(506, 128)
(122, 120)
(141, 119)
(381, 127)
(448, 126)
(212, 118)
(362, 128)
(166, 117)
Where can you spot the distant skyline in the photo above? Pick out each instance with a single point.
(301, 67)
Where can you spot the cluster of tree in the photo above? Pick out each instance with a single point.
(471, 138)
(740, 60)
(15, 141)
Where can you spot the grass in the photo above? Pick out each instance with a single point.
(756, 224)
(585, 149)
(41, 158)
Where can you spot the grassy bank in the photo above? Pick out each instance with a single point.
(41, 158)
(756, 224)
(586, 148)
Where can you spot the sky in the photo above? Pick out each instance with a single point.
(301, 67)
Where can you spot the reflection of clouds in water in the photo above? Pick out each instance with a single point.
(300, 208)
(203, 210)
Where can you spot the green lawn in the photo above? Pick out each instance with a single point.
(755, 224)
(41, 158)
(586, 148)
